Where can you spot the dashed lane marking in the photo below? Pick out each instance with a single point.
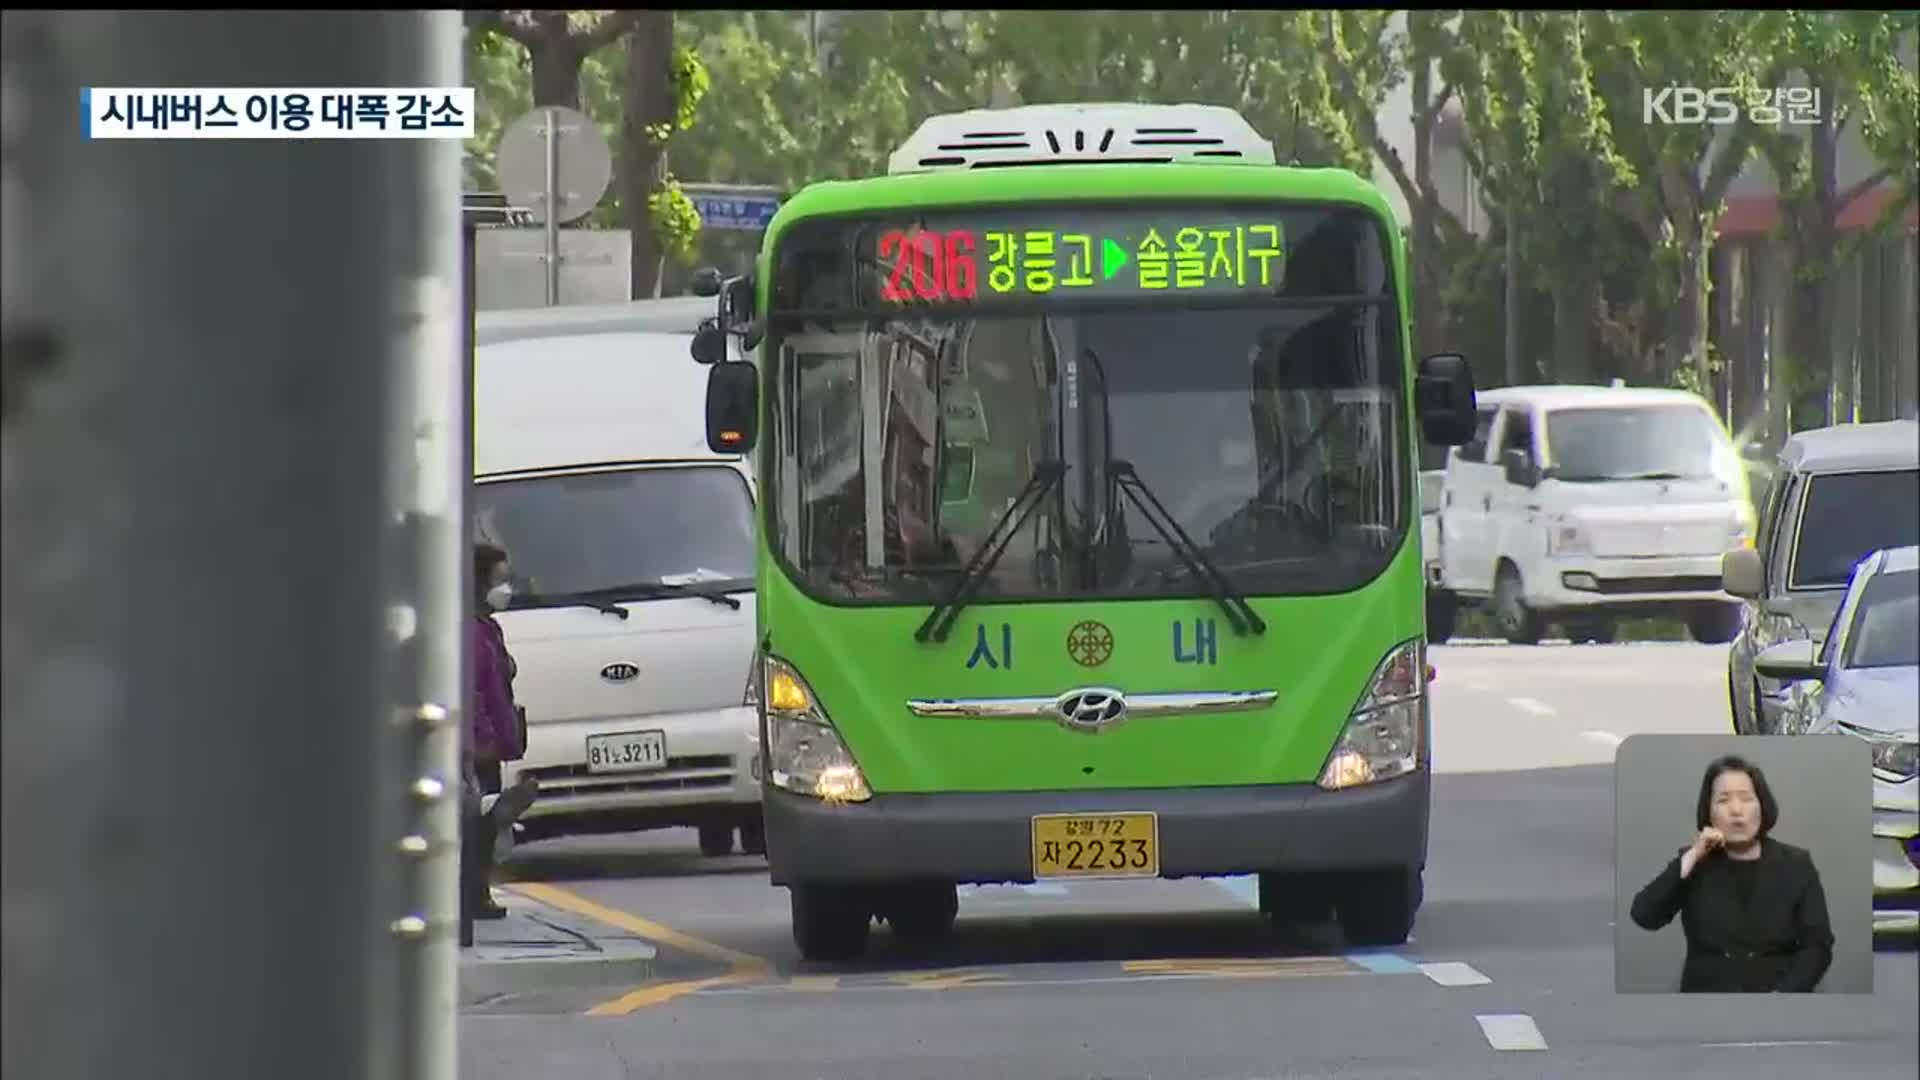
(1527, 704)
(1607, 737)
(1453, 973)
(1511, 1031)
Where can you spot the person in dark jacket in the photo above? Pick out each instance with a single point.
(493, 735)
(1752, 908)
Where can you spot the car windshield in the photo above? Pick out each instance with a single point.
(1886, 623)
(1848, 516)
(621, 529)
(1270, 426)
(1661, 442)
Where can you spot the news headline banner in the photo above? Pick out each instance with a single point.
(278, 112)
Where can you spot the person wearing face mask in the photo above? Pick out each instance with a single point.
(496, 732)
(1751, 907)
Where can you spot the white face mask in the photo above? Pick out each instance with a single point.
(500, 596)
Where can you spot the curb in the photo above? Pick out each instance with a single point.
(575, 953)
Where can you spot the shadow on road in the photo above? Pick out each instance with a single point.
(561, 861)
(981, 940)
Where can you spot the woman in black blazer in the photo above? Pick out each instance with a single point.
(1752, 908)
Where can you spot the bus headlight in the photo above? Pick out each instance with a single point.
(805, 755)
(1383, 733)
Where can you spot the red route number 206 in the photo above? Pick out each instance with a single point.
(929, 266)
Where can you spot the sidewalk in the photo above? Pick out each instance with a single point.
(539, 947)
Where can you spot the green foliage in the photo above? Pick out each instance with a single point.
(675, 222)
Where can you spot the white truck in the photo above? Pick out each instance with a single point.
(1583, 505)
(631, 549)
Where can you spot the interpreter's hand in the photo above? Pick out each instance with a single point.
(1703, 844)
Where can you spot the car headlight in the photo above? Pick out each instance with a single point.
(1567, 538)
(1382, 737)
(1894, 758)
(805, 755)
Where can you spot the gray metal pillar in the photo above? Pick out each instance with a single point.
(234, 469)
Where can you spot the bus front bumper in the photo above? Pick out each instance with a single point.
(986, 838)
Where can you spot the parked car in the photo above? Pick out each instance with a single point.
(1584, 505)
(1863, 680)
(1837, 494)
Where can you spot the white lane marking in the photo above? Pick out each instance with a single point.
(1607, 737)
(1453, 973)
(1527, 704)
(1511, 1031)
(1765, 1045)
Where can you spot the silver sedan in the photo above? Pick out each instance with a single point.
(1864, 681)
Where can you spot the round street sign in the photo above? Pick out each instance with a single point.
(584, 165)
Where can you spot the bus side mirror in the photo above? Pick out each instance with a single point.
(706, 281)
(736, 302)
(1443, 398)
(733, 407)
(709, 345)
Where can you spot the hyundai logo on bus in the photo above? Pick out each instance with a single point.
(1091, 708)
(619, 672)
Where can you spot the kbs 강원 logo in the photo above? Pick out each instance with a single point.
(1721, 105)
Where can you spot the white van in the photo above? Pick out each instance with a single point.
(1581, 505)
(632, 553)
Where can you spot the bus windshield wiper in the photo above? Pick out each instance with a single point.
(1240, 615)
(939, 621)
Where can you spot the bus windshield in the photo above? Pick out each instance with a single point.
(1270, 429)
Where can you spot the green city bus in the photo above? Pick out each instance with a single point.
(1088, 449)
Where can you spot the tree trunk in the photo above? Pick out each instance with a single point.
(1511, 309)
(1817, 245)
(1423, 208)
(556, 62)
(1572, 333)
(1687, 337)
(650, 103)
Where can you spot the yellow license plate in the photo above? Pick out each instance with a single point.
(1096, 845)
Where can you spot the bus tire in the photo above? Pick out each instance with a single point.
(830, 923)
(1291, 900)
(923, 911)
(1377, 907)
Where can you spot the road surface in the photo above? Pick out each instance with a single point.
(1509, 974)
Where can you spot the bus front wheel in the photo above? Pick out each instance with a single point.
(830, 923)
(1377, 908)
(922, 911)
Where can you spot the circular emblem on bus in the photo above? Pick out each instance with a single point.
(619, 672)
(1089, 643)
